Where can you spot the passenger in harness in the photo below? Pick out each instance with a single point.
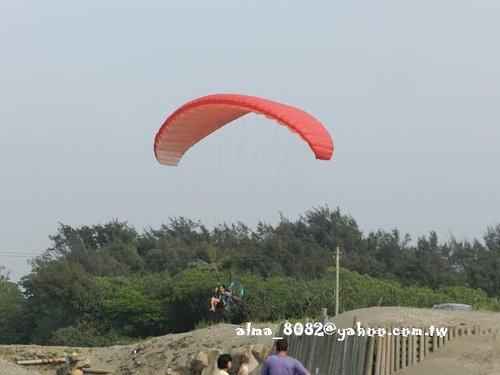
(221, 298)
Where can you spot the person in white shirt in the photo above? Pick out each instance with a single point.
(224, 364)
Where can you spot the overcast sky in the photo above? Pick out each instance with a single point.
(409, 91)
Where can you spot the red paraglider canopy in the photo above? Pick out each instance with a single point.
(195, 120)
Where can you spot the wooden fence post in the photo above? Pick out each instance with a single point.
(388, 353)
(377, 355)
(403, 351)
(397, 353)
(434, 342)
(421, 346)
(393, 354)
(369, 354)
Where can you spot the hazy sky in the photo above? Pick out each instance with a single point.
(409, 91)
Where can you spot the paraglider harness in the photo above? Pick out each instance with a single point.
(232, 295)
(222, 297)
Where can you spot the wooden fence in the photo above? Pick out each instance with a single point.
(369, 355)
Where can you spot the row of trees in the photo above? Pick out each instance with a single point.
(122, 308)
(300, 249)
(108, 283)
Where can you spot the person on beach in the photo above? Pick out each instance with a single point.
(224, 364)
(281, 363)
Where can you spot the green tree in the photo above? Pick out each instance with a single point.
(59, 293)
(191, 291)
(134, 306)
(13, 329)
(102, 250)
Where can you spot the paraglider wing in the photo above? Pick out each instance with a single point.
(195, 120)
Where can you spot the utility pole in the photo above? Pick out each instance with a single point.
(337, 258)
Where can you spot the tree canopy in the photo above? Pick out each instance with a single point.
(108, 283)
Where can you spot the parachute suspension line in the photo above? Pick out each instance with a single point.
(179, 193)
(270, 177)
(265, 179)
(293, 170)
(240, 155)
(259, 178)
(251, 166)
(190, 186)
(217, 175)
(222, 168)
(197, 183)
(257, 166)
(181, 184)
(207, 174)
(228, 159)
(293, 152)
(296, 171)
(284, 159)
(300, 171)
(213, 259)
(216, 167)
(298, 180)
(254, 165)
(244, 123)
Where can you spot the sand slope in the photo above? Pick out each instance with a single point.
(467, 355)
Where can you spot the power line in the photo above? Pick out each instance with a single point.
(17, 254)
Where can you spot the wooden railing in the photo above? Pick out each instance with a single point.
(370, 355)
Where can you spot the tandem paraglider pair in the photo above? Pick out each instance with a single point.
(227, 297)
(220, 299)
